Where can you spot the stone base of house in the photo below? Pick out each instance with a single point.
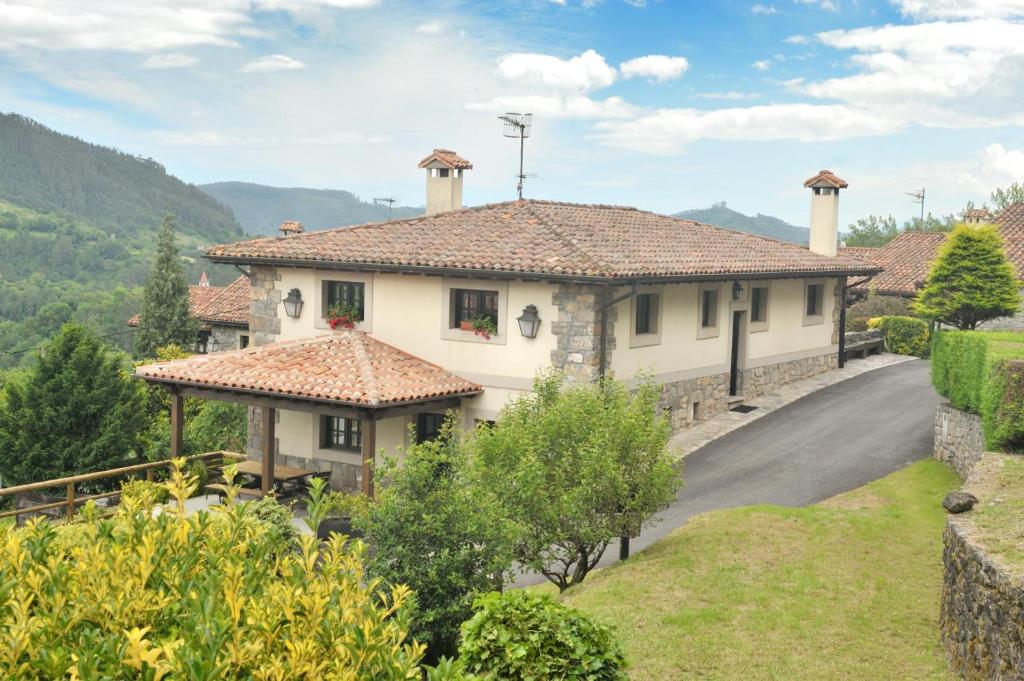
(696, 399)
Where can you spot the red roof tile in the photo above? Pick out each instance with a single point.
(545, 238)
(865, 253)
(217, 304)
(448, 158)
(347, 367)
(826, 178)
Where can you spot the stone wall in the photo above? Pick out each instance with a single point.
(578, 331)
(264, 327)
(982, 613)
(1014, 323)
(959, 440)
(761, 380)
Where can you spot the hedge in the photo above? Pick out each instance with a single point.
(981, 372)
(903, 335)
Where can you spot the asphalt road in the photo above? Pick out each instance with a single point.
(831, 441)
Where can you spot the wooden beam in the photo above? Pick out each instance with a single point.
(177, 424)
(269, 433)
(368, 428)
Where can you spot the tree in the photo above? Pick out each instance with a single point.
(165, 318)
(971, 281)
(872, 231)
(574, 467)
(436, 532)
(75, 411)
(1004, 198)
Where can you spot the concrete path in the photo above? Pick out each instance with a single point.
(831, 441)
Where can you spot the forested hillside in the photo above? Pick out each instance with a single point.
(720, 215)
(261, 209)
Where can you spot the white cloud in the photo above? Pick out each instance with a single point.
(762, 64)
(657, 67)
(432, 27)
(588, 71)
(960, 9)
(797, 40)
(996, 161)
(273, 62)
(558, 106)
(170, 60)
(731, 95)
(829, 5)
(763, 9)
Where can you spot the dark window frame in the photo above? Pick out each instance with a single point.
(758, 304)
(815, 299)
(709, 313)
(468, 303)
(338, 291)
(348, 437)
(646, 321)
(428, 426)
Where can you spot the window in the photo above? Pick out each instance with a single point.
(428, 426)
(468, 304)
(340, 433)
(345, 293)
(709, 308)
(814, 299)
(243, 342)
(646, 313)
(759, 304)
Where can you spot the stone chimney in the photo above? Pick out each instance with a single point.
(445, 170)
(825, 212)
(290, 227)
(977, 216)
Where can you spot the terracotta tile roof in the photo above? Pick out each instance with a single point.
(977, 214)
(217, 304)
(1013, 216)
(544, 238)
(347, 367)
(292, 227)
(865, 253)
(826, 178)
(446, 157)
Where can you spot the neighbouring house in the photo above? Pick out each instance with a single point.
(462, 307)
(223, 314)
(906, 260)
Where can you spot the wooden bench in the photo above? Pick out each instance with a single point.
(863, 348)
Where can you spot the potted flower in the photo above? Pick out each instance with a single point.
(339, 510)
(484, 326)
(343, 315)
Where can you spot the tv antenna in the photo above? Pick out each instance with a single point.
(518, 125)
(917, 196)
(389, 200)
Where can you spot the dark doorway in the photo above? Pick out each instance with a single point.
(734, 352)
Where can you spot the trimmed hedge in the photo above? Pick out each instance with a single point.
(981, 372)
(903, 335)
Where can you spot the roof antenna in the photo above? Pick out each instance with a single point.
(389, 200)
(518, 125)
(917, 196)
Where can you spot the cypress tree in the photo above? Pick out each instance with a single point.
(971, 281)
(165, 317)
(76, 411)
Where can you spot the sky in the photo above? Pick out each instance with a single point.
(665, 105)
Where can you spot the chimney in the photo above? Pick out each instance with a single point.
(290, 227)
(825, 212)
(204, 280)
(445, 170)
(977, 216)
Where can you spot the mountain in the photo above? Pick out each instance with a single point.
(721, 215)
(261, 209)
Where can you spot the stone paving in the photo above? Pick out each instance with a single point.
(690, 440)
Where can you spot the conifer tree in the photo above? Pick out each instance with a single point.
(971, 281)
(76, 411)
(165, 318)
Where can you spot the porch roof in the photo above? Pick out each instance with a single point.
(347, 368)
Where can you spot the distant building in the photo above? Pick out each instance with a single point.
(223, 313)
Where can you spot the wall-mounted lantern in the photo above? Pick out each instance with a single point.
(293, 303)
(214, 344)
(529, 322)
(737, 290)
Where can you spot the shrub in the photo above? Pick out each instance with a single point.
(875, 305)
(209, 595)
(518, 635)
(1003, 407)
(277, 517)
(903, 335)
(144, 493)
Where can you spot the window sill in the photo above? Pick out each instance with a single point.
(707, 332)
(644, 340)
(814, 320)
(457, 334)
(758, 327)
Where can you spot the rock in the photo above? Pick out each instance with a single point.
(958, 502)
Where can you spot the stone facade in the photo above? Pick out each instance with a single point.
(1014, 323)
(760, 380)
(264, 305)
(982, 613)
(840, 288)
(578, 331)
(346, 477)
(959, 440)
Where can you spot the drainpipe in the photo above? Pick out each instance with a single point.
(842, 324)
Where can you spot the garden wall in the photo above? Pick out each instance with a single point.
(959, 440)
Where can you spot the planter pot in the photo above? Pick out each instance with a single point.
(339, 526)
(466, 325)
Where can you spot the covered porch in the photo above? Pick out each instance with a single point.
(347, 375)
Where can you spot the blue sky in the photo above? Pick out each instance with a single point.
(664, 105)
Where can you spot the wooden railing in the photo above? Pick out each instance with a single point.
(212, 460)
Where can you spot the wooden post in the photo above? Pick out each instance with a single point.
(177, 424)
(269, 434)
(71, 500)
(368, 427)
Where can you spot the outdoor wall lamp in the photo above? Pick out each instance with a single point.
(737, 290)
(293, 303)
(529, 322)
(214, 344)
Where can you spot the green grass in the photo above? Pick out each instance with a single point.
(847, 589)
(998, 518)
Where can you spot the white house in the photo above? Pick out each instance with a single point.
(714, 316)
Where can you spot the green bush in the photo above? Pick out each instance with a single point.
(1003, 407)
(277, 517)
(145, 492)
(903, 335)
(519, 635)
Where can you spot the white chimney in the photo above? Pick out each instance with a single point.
(825, 212)
(445, 170)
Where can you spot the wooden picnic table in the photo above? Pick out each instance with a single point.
(288, 480)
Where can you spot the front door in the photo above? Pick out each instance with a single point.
(734, 352)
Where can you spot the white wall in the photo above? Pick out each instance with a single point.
(298, 434)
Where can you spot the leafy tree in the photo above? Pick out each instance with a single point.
(76, 411)
(165, 317)
(1004, 198)
(945, 223)
(574, 467)
(971, 281)
(872, 231)
(439, 534)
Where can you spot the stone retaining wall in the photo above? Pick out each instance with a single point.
(959, 440)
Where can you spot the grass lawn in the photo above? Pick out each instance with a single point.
(846, 589)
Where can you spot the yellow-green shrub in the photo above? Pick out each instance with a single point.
(902, 335)
(211, 595)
